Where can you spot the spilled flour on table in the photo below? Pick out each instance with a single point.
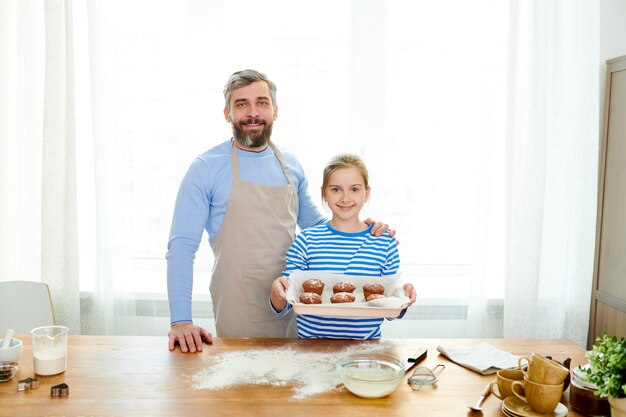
(309, 373)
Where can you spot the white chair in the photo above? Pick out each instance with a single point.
(25, 305)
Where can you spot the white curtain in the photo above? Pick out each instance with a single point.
(38, 229)
(100, 98)
(551, 168)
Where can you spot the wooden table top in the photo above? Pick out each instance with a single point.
(139, 376)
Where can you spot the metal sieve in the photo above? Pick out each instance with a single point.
(424, 376)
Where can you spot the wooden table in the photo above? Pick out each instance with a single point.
(131, 376)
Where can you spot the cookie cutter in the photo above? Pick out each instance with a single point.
(27, 384)
(61, 390)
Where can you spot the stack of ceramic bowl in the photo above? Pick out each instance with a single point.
(582, 398)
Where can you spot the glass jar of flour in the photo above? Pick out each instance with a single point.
(50, 349)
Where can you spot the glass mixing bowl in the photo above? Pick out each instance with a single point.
(7, 370)
(370, 375)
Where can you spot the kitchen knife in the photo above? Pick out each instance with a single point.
(416, 358)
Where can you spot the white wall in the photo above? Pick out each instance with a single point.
(612, 40)
(612, 29)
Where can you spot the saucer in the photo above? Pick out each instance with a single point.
(506, 413)
(514, 407)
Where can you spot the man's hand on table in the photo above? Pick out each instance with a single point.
(189, 337)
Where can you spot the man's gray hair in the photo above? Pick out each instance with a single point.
(246, 77)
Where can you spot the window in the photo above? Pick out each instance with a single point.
(414, 87)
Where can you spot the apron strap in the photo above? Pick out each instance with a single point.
(283, 164)
(234, 158)
(234, 161)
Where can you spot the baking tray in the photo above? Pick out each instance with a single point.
(391, 306)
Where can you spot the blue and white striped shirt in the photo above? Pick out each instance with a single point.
(322, 248)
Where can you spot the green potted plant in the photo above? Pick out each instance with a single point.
(607, 370)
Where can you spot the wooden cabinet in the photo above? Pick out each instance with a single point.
(608, 302)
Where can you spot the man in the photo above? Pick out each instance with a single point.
(249, 197)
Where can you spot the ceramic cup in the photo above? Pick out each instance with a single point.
(542, 398)
(543, 370)
(501, 387)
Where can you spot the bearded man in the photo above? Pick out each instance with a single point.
(249, 196)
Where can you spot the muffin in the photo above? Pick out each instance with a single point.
(310, 298)
(343, 287)
(342, 297)
(370, 289)
(374, 297)
(313, 285)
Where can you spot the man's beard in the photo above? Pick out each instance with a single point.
(254, 138)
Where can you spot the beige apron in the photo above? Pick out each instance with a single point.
(250, 247)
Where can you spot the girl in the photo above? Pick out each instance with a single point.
(343, 246)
